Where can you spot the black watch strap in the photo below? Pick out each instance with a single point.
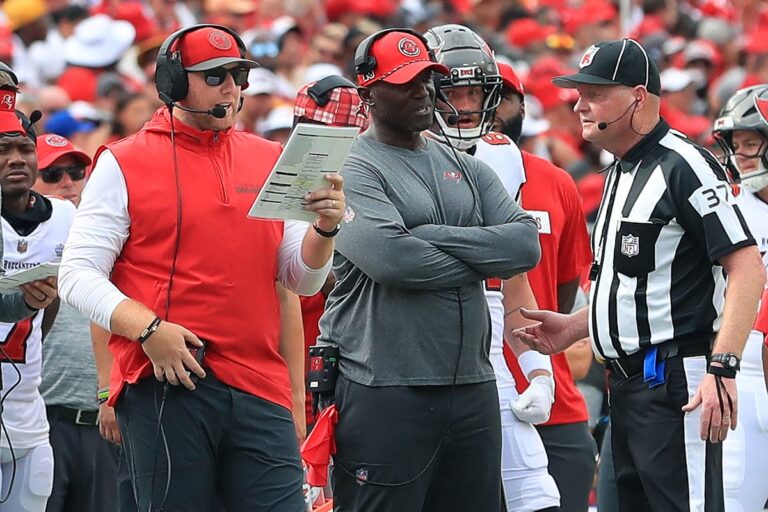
(150, 330)
(326, 234)
(720, 371)
(728, 360)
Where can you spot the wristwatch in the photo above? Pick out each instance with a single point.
(729, 360)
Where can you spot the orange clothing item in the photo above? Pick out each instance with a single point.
(223, 286)
(550, 195)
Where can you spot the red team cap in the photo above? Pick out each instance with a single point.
(209, 48)
(50, 147)
(400, 57)
(9, 123)
(510, 78)
(341, 106)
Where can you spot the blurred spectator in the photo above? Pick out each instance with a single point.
(65, 124)
(678, 102)
(327, 46)
(278, 124)
(291, 46)
(234, 14)
(529, 35)
(131, 112)
(28, 19)
(46, 56)
(95, 47)
(49, 99)
(594, 20)
(258, 99)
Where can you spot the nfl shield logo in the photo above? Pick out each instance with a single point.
(362, 476)
(630, 245)
(588, 56)
(22, 246)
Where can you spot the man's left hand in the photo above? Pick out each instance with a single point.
(535, 404)
(718, 413)
(39, 294)
(328, 203)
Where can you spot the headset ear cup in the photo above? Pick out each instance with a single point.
(179, 80)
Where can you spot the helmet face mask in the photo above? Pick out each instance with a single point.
(740, 114)
(471, 63)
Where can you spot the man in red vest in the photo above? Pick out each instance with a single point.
(163, 255)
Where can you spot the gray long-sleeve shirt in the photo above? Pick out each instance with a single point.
(412, 255)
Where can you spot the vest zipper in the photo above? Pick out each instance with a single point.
(220, 175)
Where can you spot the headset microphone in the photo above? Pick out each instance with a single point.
(602, 125)
(217, 111)
(452, 119)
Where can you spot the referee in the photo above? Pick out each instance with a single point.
(666, 232)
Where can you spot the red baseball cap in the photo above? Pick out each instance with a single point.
(51, 147)
(400, 56)
(342, 107)
(510, 78)
(524, 32)
(9, 123)
(209, 48)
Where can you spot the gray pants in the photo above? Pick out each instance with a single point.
(84, 470)
(225, 446)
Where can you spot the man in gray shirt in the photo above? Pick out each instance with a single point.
(419, 424)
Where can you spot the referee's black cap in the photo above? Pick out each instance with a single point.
(621, 62)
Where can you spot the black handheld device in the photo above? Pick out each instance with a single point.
(199, 354)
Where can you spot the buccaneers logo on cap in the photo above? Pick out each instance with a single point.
(56, 141)
(408, 47)
(588, 56)
(219, 40)
(8, 102)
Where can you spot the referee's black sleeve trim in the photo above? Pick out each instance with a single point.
(715, 258)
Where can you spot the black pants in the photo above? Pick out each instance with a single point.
(225, 446)
(659, 458)
(571, 451)
(84, 466)
(394, 435)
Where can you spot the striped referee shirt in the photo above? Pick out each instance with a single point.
(666, 216)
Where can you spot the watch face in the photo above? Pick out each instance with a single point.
(732, 361)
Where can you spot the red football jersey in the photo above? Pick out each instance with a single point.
(550, 195)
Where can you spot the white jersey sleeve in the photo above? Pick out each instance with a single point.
(504, 157)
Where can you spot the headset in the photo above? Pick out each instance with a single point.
(365, 63)
(320, 92)
(171, 78)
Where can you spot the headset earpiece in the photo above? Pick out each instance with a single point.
(171, 79)
(366, 63)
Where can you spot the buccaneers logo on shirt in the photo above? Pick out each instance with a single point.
(452, 176)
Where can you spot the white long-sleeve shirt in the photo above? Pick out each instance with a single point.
(101, 228)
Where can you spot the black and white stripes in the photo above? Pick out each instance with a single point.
(668, 215)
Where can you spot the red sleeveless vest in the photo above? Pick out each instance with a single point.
(223, 286)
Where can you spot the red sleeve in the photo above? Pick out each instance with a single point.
(574, 253)
(761, 324)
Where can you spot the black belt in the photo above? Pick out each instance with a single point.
(631, 365)
(76, 416)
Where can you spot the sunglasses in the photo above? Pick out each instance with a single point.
(54, 174)
(216, 76)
